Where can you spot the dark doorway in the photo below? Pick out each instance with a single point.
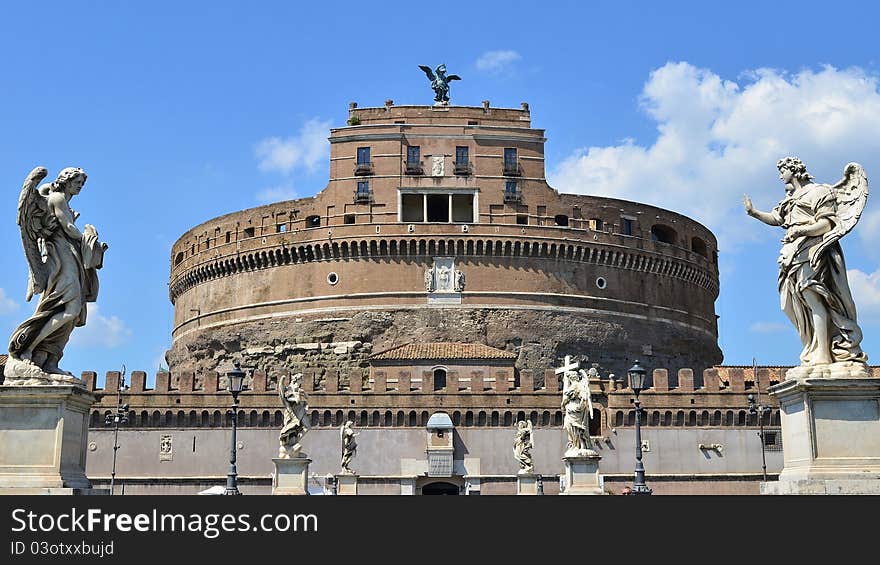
(440, 488)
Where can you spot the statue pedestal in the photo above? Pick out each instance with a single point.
(830, 436)
(582, 474)
(526, 484)
(43, 439)
(346, 484)
(291, 476)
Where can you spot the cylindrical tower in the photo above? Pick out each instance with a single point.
(437, 224)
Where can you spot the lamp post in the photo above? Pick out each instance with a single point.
(120, 417)
(760, 411)
(637, 379)
(235, 384)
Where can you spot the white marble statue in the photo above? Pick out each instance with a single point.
(349, 446)
(429, 279)
(577, 407)
(296, 417)
(523, 443)
(459, 281)
(63, 265)
(813, 286)
(444, 275)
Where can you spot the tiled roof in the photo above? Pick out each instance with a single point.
(443, 350)
(3, 359)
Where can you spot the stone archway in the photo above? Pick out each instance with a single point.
(440, 488)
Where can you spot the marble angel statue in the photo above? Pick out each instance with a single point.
(349, 445)
(296, 417)
(813, 286)
(63, 263)
(577, 408)
(523, 443)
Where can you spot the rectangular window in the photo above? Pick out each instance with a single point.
(596, 224)
(511, 191)
(438, 207)
(363, 189)
(627, 226)
(249, 232)
(461, 155)
(463, 208)
(413, 154)
(349, 219)
(363, 155)
(522, 219)
(412, 208)
(509, 156)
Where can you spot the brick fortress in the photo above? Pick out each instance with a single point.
(438, 271)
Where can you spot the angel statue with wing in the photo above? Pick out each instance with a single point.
(813, 286)
(440, 83)
(523, 443)
(577, 407)
(349, 445)
(63, 265)
(296, 417)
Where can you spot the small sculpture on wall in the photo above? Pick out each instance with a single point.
(429, 279)
(459, 281)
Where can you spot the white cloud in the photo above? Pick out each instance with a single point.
(276, 194)
(100, 330)
(866, 294)
(7, 305)
(496, 62)
(718, 139)
(768, 327)
(306, 149)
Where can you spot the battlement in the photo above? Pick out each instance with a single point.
(380, 380)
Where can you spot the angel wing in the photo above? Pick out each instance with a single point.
(452, 77)
(851, 193)
(342, 436)
(37, 224)
(428, 72)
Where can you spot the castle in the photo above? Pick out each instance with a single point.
(438, 272)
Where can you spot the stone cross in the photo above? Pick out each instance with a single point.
(569, 365)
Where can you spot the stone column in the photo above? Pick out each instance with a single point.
(44, 438)
(830, 434)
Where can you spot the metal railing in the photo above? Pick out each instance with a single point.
(512, 169)
(365, 168)
(414, 168)
(463, 168)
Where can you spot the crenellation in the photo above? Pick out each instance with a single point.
(380, 382)
(710, 380)
(551, 380)
(331, 381)
(477, 381)
(355, 384)
(526, 381)
(112, 381)
(452, 383)
(163, 382)
(212, 382)
(186, 383)
(90, 378)
(404, 382)
(260, 383)
(660, 380)
(138, 381)
(686, 380)
(737, 379)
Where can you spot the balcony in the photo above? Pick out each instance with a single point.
(512, 169)
(414, 168)
(365, 168)
(464, 168)
(363, 196)
(513, 195)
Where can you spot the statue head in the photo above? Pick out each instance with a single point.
(796, 167)
(441, 70)
(71, 176)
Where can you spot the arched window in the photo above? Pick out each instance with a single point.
(663, 234)
(439, 378)
(560, 220)
(698, 246)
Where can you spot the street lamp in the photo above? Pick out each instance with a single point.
(120, 417)
(760, 411)
(637, 379)
(235, 384)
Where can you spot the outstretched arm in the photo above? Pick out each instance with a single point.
(769, 218)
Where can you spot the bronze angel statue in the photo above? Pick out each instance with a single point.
(813, 286)
(63, 264)
(296, 417)
(439, 82)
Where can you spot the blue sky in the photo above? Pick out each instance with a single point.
(182, 111)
